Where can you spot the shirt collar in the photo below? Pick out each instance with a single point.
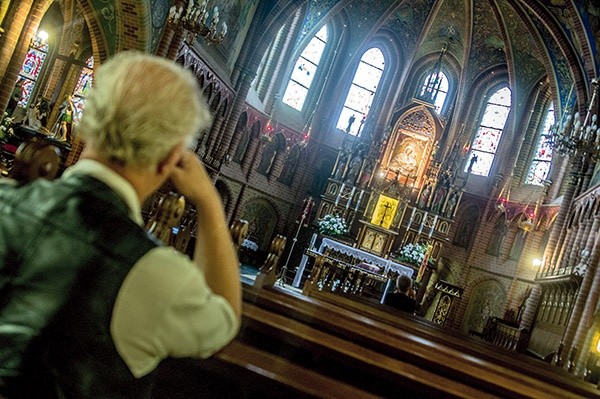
(116, 182)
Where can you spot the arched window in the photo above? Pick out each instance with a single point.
(31, 67)
(435, 90)
(540, 164)
(304, 71)
(84, 84)
(361, 93)
(488, 135)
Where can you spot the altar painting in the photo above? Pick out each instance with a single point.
(407, 155)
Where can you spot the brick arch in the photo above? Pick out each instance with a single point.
(263, 216)
(225, 192)
(487, 298)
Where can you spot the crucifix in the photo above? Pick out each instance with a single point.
(386, 207)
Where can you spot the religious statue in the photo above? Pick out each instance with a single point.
(451, 204)
(37, 114)
(424, 197)
(353, 169)
(404, 162)
(350, 123)
(62, 130)
(472, 162)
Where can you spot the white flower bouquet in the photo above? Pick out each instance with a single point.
(413, 253)
(333, 225)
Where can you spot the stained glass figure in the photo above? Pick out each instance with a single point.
(435, 87)
(31, 68)
(542, 158)
(362, 91)
(82, 89)
(488, 135)
(305, 70)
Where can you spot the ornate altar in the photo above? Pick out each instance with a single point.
(342, 269)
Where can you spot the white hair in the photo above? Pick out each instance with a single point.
(140, 108)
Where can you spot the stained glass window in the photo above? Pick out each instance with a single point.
(488, 135)
(435, 88)
(82, 89)
(304, 71)
(361, 93)
(540, 164)
(31, 68)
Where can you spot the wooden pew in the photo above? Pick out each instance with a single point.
(242, 371)
(485, 367)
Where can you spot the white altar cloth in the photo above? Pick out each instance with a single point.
(385, 264)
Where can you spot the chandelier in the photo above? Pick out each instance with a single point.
(198, 20)
(572, 137)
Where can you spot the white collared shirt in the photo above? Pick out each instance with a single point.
(164, 307)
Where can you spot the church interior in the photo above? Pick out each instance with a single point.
(455, 141)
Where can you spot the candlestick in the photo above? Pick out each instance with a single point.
(350, 197)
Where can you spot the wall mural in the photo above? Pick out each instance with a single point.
(105, 10)
(159, 10)
(262, 218)
(487, 300)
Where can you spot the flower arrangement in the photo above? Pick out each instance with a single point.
(6, 126)
(333, 225)
(413, 253)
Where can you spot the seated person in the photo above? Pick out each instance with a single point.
(403, 297)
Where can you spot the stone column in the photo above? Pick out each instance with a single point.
(237, 108)
(176, 43)
(250, 157)
(558, 230)
(212, 140)
(587, 299)
(165, 41)
(277, 165)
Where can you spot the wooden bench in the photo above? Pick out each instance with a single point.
(242, 371)
(475, 363)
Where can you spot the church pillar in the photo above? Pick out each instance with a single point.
(298, 178)
(573, 247)
(212, 141)
(235, 141)
(577, 324)
(531, 309)
(558, 230)
(586, 301)
(252, 153)
(165, 41)
(236, 110)
(565, 249)
(23, 19)
(277, 165)
(176, 44)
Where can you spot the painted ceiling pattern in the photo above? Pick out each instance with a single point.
(408, 19)
(449, 23)
(487, 47)
(524, 50)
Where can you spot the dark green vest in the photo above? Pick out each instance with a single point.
(65, 248)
